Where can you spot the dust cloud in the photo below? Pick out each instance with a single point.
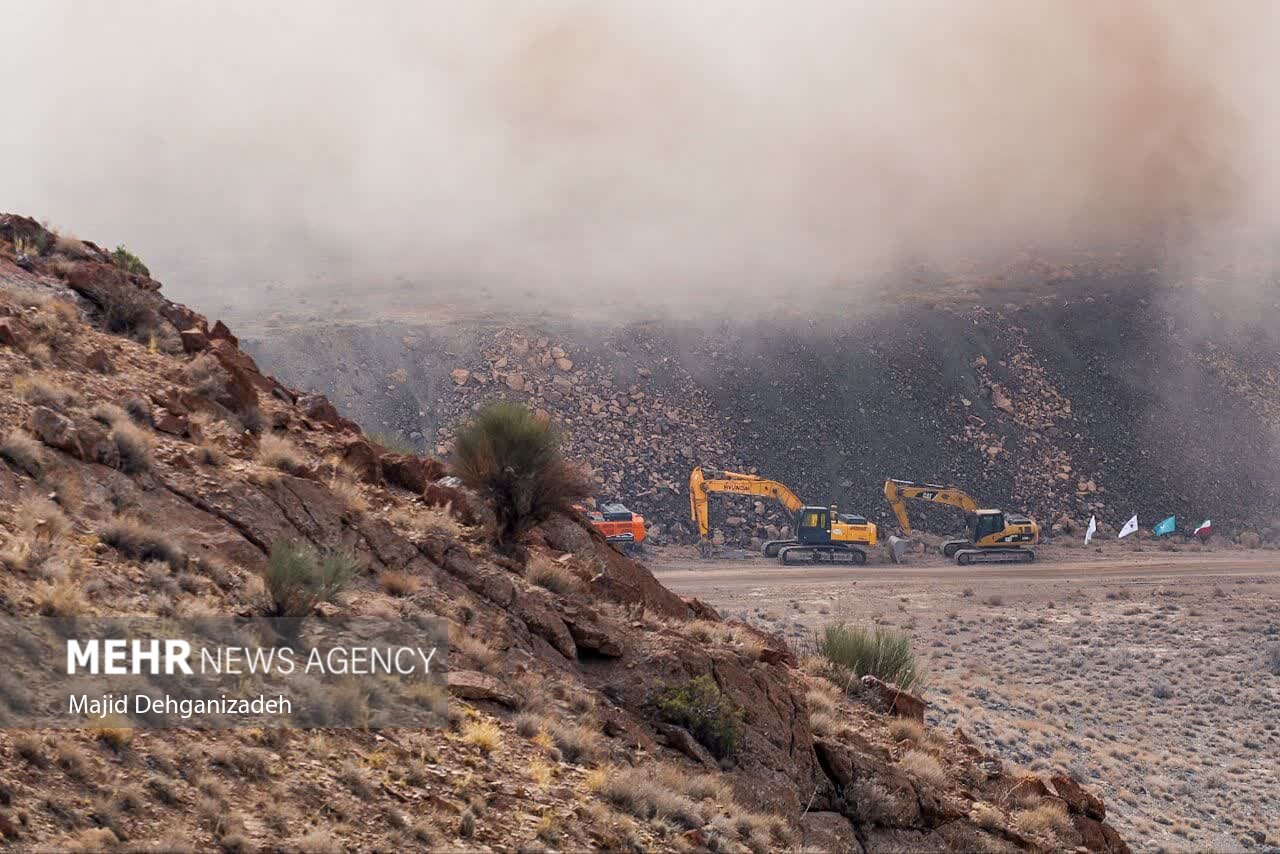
(646, 150)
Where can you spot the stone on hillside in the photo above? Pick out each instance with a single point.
(55, 430)
(460, 376)
(901, 703)
(361, 456)
(473, 685)
(99, 361)
(10, 334)
(1000, 400)
(564, 364)
(194, 340)
(1079, 800)
(410, 472)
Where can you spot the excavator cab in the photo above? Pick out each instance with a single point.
(985, 523)
(813, 525)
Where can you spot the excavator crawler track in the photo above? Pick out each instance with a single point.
(772, 547)
(794, 555)
(964, 557)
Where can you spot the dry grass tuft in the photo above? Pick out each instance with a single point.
(550, 575)
(579, 745)
(23, 451)
(1048, 821)
(139, 541)
(63, 599)
(484, 734)
(134, 445)
(42, 391)
(39, 518)
(399, 583)
(988, 816)
(278, 452)
(113, 731)
(925, 767)
(208, 453)
(906, 729)
(350, 493)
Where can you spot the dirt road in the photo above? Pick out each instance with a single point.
(712, 579)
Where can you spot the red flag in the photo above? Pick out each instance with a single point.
(1204, 529)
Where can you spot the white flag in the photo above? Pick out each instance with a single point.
(1129, 527)
(1093, 529)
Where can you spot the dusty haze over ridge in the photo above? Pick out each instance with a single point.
(713, 148)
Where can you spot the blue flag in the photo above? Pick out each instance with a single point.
(1165, 527)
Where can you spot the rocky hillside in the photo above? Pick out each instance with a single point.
(149, 467)
(1079, 392)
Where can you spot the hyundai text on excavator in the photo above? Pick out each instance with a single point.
(822, 534)
(993, 535)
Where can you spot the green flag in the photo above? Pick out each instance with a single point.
(1165, 527)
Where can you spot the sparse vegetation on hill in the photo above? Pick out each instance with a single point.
(701, 707)
(129, 262)
(571, 670)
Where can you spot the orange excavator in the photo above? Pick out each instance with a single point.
(822, 534)
(616, 524)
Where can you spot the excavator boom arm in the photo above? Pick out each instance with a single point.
(899, 492)
(703, 484)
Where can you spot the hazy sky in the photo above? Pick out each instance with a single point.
(722, 146)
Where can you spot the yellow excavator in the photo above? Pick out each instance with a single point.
(993, 535)
(822, 534)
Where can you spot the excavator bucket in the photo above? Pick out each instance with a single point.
(898, 549)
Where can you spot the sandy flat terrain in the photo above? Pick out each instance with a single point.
(1152, 675)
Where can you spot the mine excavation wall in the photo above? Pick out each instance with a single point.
(1108, 398)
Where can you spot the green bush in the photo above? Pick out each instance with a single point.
(130, 263)
(513, 460)
(884, 654)
(297, 577)
(708, 713)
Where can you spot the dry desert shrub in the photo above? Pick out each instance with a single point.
(297, 577)
(399, 583)
(924, 766)
(134, 446)
(139, 541)
(906, 729)
(24, 452)
(1048, 820)
(484, 734)
(42, 391)
(63, 599)
(550, 575)
(349, 492)
(41, 519)
(278, 452)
